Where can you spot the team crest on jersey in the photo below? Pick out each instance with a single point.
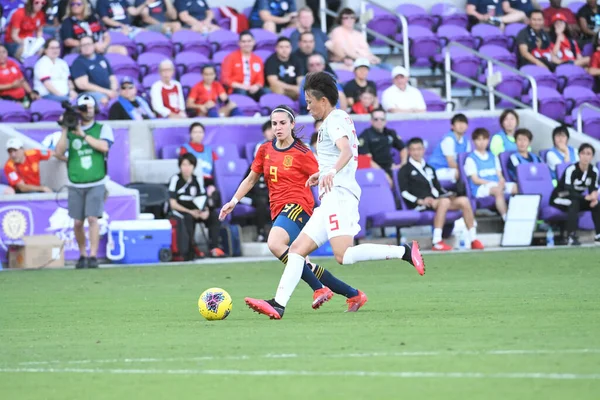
(287, 161)
(320, 136)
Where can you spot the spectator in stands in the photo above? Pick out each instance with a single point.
(534, 44)
(242, 71)
(185, 189)
(196, 15)
(421, 190)
(353, 88)
(51, 75)
(484, 171)
(306, 21)
(401, 97)
(205, 155)
(445, 155)
(494, 12)
(268, 135)
(208, 97)
(561, 152)
(23, 167)
(130, 106)
(565, 49)
(523, 155)
(273, 15)
(505, 139)
(93, 74)
(55, 13)
(159, 16)
(367, 102)
(116, 15)
(378, 142)
(88, 146)
(588, 19)
(594, 68)
(315, 136)
(569, 195)
(13, 86)
(555, 8)
(348, 44)
(305, 49)
(316, 63)
(332, 5)
(282, 72)
(24, 30)
(166, 95)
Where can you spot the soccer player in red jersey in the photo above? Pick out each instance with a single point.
(287, 163)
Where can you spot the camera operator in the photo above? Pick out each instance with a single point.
(87, 143)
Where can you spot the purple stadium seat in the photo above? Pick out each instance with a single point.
(222, 40)
(416, 15)
(245, 104)
(37, 134)
(573, 75)
(499, 54)
(550, 103)
(148, 62)
(119, 164)
(265, 40)
(187, 40)
(588, 50)
(271, 100)
(511, 85)
(542, 76)
(486, 34)
(189, 61)
(148, 41)
(511, 31)
(504, 158)
(69, 58)
(217, 59)
(170, 151)
(376, 190)
(343, 75)
(424, 44)
(577, 95)
(13, 112)
(249, 151)
(228, 175)
(28, 66)
(381, 77)
(449, 14)
(433, 101)
(575, 6)
(543, 154)
(119, 39)
(591, 122)
(463, 63)
(149, 80)
(229, 151)
(287, 32)
(263, 54)
(45, 110)
(164, 137)
(453, 33)
(536, 179)
(123, 65)
(383, 23)
(188, 81)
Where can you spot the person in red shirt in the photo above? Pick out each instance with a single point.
(242, 71)
(565, 49)
(208, 97)
(594, 68)
(286, 164)
(23, 167)
(26, 22)
(555, 8)
(366, 103)
(13, 85)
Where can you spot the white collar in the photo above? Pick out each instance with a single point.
(418, 165)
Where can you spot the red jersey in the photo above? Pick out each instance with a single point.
(595, 61)
(286, 172)
(568, 50)
(201, 94)
(28, 171)
(9, 73)
(26, 24)
(170, 98)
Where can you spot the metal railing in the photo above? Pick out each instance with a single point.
(580, 114)
(490, 72)
(404, 46)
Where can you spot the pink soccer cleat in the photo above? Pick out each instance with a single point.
(321, 296)
(356, 302)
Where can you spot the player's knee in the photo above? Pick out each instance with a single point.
(92, 221)
(339, 257)
(276, 246)
(77, 224)
(444, 203)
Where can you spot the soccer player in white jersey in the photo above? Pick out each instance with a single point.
(336, 219)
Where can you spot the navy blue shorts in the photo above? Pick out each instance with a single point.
(292, 219)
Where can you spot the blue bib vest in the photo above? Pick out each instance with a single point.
(486, 169)
(205, 158)
(561, 157)
(438, 159)
(509, 145)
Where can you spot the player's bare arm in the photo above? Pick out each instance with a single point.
(343, 144)
(246, 185)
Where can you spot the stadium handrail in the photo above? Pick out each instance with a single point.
(488, 88)
(404, 46)
(580, 114)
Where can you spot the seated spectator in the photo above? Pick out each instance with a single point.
(24, 31)
(205, 155)
(316, 63)
(242, 71)
(51, 75)
(445, 155)
(13, 86)
(93, 74)
(422, 191)
(159, 16)
(130, 106)
(347, 44)
(185, 193)
(306, 49)
(353, 88)
(505, 139)
(523, 138)
(565, 49)
(268, 135)
(401, 97)
(534, 44)
(166, 95)
(23, 167)
(367, 103)
(378, 142)
(569, 195)
(116, 15)
(594, 68)
(494, 12)
(587, 16)
(259, 194)
(208, 97)
(273, 15)
(561, 152)
(196, 15)
(484, 171)
(555, 8)
(282, 72)
(306, 21)
(55, 13)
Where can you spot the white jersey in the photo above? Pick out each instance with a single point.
(337, 125)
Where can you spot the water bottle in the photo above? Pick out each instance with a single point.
(462, 242)
(402, 240)
(549, 237)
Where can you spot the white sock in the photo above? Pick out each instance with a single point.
(437, 235)
(503, 217)
(290, 278)
(473, 233)
(368, 252)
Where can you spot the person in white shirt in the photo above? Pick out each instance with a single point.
(336, 219)
(166, 94)
(401, 97)
(51, 75)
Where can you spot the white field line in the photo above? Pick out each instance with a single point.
(338, 355)
(371, 374)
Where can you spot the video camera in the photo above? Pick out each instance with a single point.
(71, 116)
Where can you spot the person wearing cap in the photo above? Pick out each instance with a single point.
(565, 49)
(305, 23)
(87, 147)
(23, 167)
(130, 106)
(555, 8)
(401, 97)
(587, 17)
(534, 44)
(353, 88)
(316, 63)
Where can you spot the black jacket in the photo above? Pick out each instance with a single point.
(379, 145)
(574, 182)
(418, 183)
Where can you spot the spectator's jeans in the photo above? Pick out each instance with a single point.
(54, 97)
(12, 48)
(256, 96)
(97, 96)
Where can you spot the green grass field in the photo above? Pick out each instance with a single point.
(505, 325)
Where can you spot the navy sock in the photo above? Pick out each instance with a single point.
(333, 283)
(308, 275)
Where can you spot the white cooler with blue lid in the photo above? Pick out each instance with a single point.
(139, 241)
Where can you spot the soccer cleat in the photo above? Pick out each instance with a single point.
(81, 263)
(321, 296)
(217, 253)
(198, 253)
(476, 245)
(356, 302)
(416, 259)
(441, 246)
(92, 262)
(265, 307)
(574, 240)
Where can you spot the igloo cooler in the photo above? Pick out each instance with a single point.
(139, 241)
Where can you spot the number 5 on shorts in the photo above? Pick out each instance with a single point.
(333, 222)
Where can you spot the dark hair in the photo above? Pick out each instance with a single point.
(536, 11)
(480, 132)
(415, 140)
(289, 114)
(47, 44)
(506, 113)
(266, 126)
(86, 36)
(314, 137)
(246, 32)
(459, 118)
(189, 157)
(596, 41)
(304, 34)
(195, 124)
(562, 129)
(322, 84)
(283, 39)
(568, 33)
(379, 109)
(367, 89)
(524, 132)
(344, 11)
(29, 7)
(586, 146)
(208, 66)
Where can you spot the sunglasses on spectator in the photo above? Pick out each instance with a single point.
(127, 87)
(349, 17)
(378, 119)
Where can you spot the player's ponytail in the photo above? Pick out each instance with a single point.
(292, 116)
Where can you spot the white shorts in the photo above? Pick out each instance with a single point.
(446, 174)
(484, 190)
(336, 216)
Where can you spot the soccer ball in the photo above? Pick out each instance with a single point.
(214, 304)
